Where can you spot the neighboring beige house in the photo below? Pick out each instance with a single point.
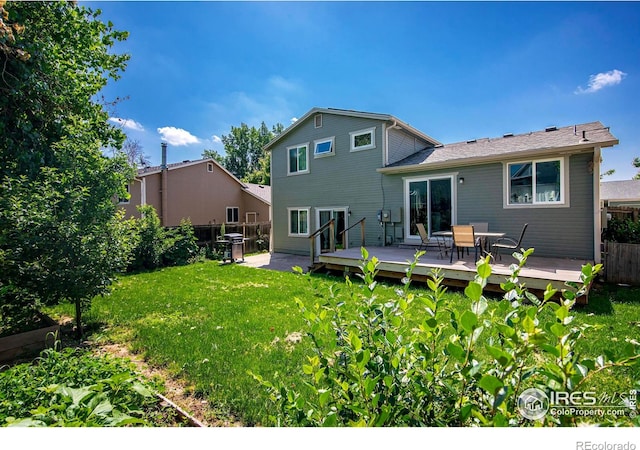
(620, 193)
(202, 191)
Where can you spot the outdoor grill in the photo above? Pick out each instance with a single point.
(232, 246)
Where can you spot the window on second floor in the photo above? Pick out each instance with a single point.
(125, 200)
(298, 161)
(363, 139)
(323, 147)
(233, 214)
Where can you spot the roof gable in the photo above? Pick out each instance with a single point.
(350, 113)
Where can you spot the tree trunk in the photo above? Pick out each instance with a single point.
(79, 331)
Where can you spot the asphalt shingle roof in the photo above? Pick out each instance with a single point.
(620, 190)
(595, 133)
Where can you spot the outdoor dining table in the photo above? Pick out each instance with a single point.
(486, 234)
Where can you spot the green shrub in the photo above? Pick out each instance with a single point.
(623, 231)
(71, 387)
(181, 245)
(150, 240)
(374, 367)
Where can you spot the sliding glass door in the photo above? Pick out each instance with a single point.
(429, 201)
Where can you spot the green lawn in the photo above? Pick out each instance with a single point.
(211, 323)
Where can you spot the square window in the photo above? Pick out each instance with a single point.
(298, 160)
(233, 214)
(535, 183)
(363, 139)
(323, 147)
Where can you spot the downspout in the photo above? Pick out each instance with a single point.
(385, 161)
(163, 187)
(597, 222)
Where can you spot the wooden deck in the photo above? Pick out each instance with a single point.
(536, 275)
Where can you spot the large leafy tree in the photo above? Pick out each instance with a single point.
(60, 236)
(636, 164)
(245, 156)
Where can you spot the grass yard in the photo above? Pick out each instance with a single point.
(210, 323)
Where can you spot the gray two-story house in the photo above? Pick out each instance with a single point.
(349, 165)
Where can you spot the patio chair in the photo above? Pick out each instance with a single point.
(424, 237)
(463, 237)
(507, 243)
(480, 227)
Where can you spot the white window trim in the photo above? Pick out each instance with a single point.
(299, 172)
(227, 213)
(331, 139)
(352, 138)
(452, 177)
(289, 210)
(564, 185)
(209, 167)
(251, 215)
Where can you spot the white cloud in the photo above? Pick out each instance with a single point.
(130, 124)
(177, 136)
(293, 120)
(216, 139)
(601, 80)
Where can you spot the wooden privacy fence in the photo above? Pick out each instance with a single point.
(623, 212)
(622, 263)
(256, 234)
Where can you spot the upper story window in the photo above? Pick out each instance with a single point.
(233, 214)
(209, 167)
(363, 139)
(317, 120)
(539, 183)
(323, 147)
(125, 200)
(298, 161)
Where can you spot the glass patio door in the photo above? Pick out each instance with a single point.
(324, 215)
(430, 201)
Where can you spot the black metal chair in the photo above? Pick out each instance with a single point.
(507, 243)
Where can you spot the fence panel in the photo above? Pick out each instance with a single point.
(622, 263)
(256, 235)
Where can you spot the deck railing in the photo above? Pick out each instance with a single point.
(361, 222)
(332, 240)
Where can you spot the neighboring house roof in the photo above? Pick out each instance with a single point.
(256, 192)
(259, 190)
(351, 113)
(550, 140)
(619, 191)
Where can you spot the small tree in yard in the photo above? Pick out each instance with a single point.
(60, 237)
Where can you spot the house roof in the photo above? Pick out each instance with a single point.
(351, 113)
(247, 187)
(620, 190)
(551, 140)
(259, 190)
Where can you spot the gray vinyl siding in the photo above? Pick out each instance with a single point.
(402, 144)
(553, 231)
(346, 179)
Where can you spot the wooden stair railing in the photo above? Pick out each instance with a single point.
(332, 239)
(361, 222)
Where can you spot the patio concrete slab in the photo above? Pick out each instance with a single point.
(277, 261)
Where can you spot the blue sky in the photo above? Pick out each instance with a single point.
(454, 70)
